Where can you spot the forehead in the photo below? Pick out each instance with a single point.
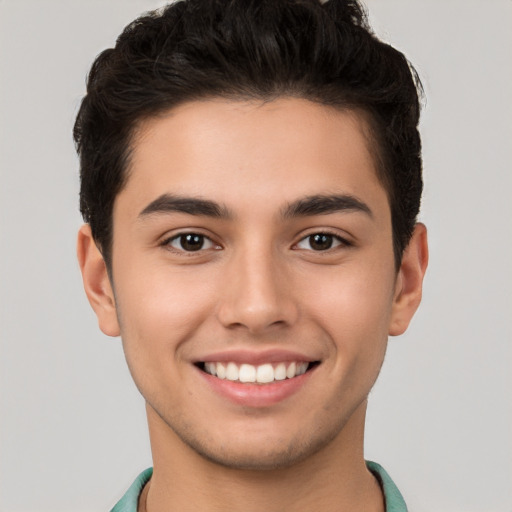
(244, 153)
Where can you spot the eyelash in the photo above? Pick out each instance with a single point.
(335, 239)
(167, 243)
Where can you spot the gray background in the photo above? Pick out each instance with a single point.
(73, 432)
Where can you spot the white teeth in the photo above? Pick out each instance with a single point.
(220, 370)
(301, 368)
(290, 371)
(261, 374)
(247, 373)
(265, 373)
(232, 371)
(280, 372)
(210, 368)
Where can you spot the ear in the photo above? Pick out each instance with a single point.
(96, 282)
(409, 281)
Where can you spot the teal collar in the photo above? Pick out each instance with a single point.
(392, 496)
(394, 500)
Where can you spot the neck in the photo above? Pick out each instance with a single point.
(334, 478)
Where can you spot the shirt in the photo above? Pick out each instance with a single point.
(393, 499)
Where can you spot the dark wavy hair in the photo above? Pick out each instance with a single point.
(249, 50)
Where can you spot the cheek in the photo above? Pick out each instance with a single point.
(355, 297)
(354, 309)
(160, 310)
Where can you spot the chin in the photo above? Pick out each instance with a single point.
(260, 455)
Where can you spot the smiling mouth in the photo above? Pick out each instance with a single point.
(260, 374)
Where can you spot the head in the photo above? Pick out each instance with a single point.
(249, 50)
(251, 175)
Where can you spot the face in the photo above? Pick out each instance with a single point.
(253, 279)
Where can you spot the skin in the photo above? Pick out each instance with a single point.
(259, 284)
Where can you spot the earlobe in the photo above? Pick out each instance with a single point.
(96, 282)
(409, 282)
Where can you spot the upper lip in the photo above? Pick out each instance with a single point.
(255, 357)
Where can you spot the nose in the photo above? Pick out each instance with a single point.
(257, 294)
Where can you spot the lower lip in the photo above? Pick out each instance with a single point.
(256, 395)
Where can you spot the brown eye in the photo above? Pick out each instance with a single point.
(190, 242)
(321, 242)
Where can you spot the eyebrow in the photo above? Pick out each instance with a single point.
(324, 205)
(167, 203)
(307, 206)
